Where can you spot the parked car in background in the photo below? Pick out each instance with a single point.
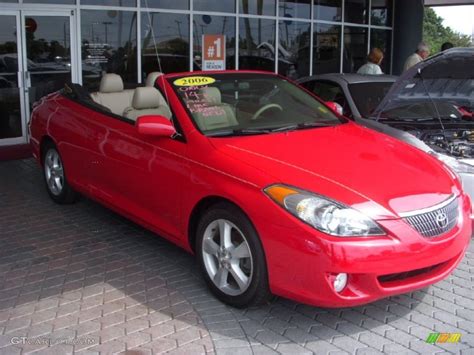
(271, 190)
(358, 95)
(430, 106)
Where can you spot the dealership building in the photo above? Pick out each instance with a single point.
(45, 43)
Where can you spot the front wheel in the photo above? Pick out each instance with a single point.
(231, 257)
(55, 177)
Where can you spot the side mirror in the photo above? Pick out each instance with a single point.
(157, 126)
(335, 107)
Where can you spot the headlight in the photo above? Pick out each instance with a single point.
(455, 164)
(323, 214)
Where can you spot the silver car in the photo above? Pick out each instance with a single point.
(431, 106)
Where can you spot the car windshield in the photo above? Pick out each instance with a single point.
(245, 103)
(367, 96)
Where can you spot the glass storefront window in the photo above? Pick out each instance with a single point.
(207, 24)
(166, 4)
(219, 6)
(381, 12)
(67, 2)
(257, 44)
(10, 108)
(109, 45)
(356, 11)
(355, 48)
(382, 39)
(328, 10)
(171, 37)
(295, 8)
(326, 49)
(257, 7)
(294, 51)
(131, 3)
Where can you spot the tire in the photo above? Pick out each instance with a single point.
(55, 176)
(234, 267)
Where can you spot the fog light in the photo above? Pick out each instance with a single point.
(340, 282)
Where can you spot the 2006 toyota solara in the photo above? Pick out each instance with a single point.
(273, 192)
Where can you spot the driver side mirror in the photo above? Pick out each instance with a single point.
(335, 107)
(155, 125)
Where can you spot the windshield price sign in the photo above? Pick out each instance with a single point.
(213, 52)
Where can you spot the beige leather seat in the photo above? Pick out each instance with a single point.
(147, 101)
(112, 95)
(151, 78)
(217, 114)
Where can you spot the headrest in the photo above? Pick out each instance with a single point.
(146, 98)
(151, 78)
(111, 83)
(211, 95)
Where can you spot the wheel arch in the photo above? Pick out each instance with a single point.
(45, 140)
(202, 206)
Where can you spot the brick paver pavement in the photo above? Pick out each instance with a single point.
(80, 278)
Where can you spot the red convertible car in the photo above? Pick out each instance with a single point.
(272, 191)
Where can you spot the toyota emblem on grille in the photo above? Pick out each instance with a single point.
(441, 219)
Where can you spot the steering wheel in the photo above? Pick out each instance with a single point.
(264, 108)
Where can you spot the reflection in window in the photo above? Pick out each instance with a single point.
(381, 12)
(355, 48)
(220, 6)
(171, 37)
(166, 4)
(72, 2)
(257, 44)
(293, 60)
(257, 7)
(131, 3)
(382, 39)
(295, 8)
(10, 109)
(109, 44)
(48, 47)
(328, 10)
(356, 11)
(326, 49)
(206, 24)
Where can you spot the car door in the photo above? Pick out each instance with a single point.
(138, 175)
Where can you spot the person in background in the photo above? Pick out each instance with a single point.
(372, 67)
(422, 52)
(446, 45)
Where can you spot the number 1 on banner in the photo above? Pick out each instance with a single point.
(218, 44)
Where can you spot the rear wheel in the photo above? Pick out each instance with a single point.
(231, 257)
(55, 176)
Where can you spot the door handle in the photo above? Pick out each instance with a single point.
(27, 80)
(19, 79)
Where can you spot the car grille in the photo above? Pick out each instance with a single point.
(435, 222)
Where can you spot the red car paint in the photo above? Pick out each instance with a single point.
(158, 182)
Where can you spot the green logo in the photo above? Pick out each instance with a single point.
(443, 338)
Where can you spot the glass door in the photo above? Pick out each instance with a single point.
(49, 59)
(12, 113)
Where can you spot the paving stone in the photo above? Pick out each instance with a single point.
(89, 273)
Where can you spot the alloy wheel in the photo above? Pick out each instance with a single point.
(227, 257)
(54, 172)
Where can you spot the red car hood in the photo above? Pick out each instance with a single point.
(356, 166)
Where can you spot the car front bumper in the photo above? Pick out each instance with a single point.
(302, 263)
